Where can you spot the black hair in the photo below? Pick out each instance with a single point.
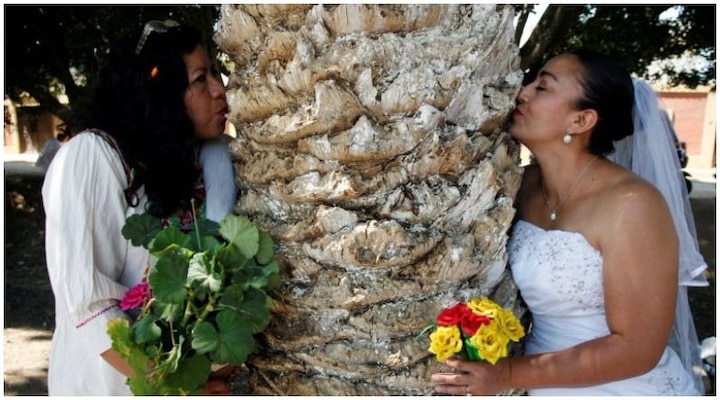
(607, 89)
(138, 100)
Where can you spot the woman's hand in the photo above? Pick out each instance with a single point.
(220, 381)
(473, 378)
(216, 386)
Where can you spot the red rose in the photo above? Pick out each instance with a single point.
(453, 315)
(135, 297)
(471, 322)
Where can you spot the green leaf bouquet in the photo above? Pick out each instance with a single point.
(202, 300)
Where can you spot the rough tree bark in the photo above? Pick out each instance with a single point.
(371, 146)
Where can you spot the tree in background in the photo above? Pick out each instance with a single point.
(637, 35)
(51, 49)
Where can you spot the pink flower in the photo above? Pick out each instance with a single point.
(186, 218)
(135, 297)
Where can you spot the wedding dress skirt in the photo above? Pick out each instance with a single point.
(560, 278)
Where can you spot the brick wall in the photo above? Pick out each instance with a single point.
(687, 111)
(693, 115)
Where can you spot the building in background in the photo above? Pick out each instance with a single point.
(27, 127)
(693, 113)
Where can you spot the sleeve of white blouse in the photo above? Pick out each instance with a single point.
(219, 178)
(85, 210)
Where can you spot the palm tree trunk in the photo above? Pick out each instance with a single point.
(371, 145)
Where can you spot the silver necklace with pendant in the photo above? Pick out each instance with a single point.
(554, 210)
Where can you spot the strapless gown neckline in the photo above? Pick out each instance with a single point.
(559, 274)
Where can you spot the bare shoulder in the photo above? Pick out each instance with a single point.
(633, 202)
(634, 193)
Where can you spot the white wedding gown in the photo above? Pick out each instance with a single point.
(560, 278)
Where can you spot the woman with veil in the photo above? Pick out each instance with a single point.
(602, 249)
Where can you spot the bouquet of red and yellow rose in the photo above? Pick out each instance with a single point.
(478, 330)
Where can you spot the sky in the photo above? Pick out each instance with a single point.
(531, 22)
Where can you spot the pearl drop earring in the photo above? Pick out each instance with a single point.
(567, 138)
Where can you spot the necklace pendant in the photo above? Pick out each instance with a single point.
(553, 215)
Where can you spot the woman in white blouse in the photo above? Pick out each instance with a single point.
(153, 141)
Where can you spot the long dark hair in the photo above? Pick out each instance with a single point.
(138, 100)
(608, 89)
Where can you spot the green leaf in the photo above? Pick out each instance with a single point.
(153, 351)
(274, 281)
(232, 297)
(230, 258)
(472, 352)
(170, 312)
(210, 244)
(262, 279)
(119, 331)
(234, 266)
(425, 330)
(208, 227)
(231, 343)
(146, 330)
(191, 373)
(167, 278)
(173, 356)
(205, 338)
(165, 366)
(140, 229)
(168, 237)
(139, 384)
(254, 309)
(239, 231)
(201, 272)
(266, 248)
(256, 276)
(236, 339)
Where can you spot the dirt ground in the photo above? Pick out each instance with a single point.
(28, 311)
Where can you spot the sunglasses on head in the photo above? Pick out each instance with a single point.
(154, 26)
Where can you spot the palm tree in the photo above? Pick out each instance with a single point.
(371, 146)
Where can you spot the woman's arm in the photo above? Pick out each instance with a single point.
(639, 248)
(219, 178)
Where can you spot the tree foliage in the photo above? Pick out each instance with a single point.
(637, 35)
(51, 49)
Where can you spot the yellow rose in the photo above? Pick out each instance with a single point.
(490, 342)
(510, 325)
(484, 306)
(445, 342)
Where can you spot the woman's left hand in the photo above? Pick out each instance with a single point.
(473, 378)
(216, 386)
(220, 381)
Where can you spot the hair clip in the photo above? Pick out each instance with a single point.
(154, 26)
